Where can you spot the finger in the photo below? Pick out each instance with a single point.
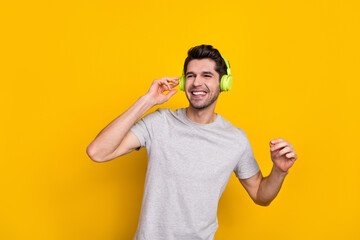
(279, 140)
(278, 146)
(171, 93)
(275, 141)
(291, 155)
(171, 79)
(165, 82)
(170, 82)
(174, 84)
(168, 85)
(293, 159)
(166, 88)
(283, 151)
(163, 88)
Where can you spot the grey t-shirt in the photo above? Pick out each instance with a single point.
(189, 166)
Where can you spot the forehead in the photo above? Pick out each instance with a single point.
(201, 65)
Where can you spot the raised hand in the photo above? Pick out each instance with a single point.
(159, 86)
(282, 154)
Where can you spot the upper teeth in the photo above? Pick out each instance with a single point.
(199, 93)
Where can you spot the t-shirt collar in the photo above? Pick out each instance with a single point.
(192, 123)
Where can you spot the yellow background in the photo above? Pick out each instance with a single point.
(68, 68)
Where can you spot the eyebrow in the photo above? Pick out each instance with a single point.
(202, 73)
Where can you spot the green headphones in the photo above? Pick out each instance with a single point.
(225, 82)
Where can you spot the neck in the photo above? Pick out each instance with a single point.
(203, 116)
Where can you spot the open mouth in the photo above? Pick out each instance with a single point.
(198, 93)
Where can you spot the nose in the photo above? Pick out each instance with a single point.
(197, 81)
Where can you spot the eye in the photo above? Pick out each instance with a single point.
(207, 76)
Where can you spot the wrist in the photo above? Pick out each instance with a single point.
(279, 172)
(148, 100)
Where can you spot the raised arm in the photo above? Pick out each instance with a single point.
(116, 139)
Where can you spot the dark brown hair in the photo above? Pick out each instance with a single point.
(207, 51)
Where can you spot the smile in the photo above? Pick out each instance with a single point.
(198, 94)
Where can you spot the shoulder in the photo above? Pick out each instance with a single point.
(167, 112)
(163, 112)
(237, 132)
(241, 132)
(158, 114)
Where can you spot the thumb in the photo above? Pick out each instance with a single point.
(171, 93)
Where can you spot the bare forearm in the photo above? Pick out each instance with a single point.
(270, 186)
(111, 136)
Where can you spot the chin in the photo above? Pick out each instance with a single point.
(204, 105)
(198, 107)
(201, 106)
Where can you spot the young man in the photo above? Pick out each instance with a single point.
(192, 153)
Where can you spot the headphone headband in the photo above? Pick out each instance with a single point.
(228, 70)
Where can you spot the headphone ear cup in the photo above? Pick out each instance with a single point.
(226, 83)
(182, 83)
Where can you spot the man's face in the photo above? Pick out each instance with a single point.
(202, 86)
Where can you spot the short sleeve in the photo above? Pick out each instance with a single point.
(247, 165)
(143, 129)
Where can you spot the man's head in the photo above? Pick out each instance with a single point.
(203, 70)
(207, 51)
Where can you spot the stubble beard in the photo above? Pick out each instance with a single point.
(207, 103)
